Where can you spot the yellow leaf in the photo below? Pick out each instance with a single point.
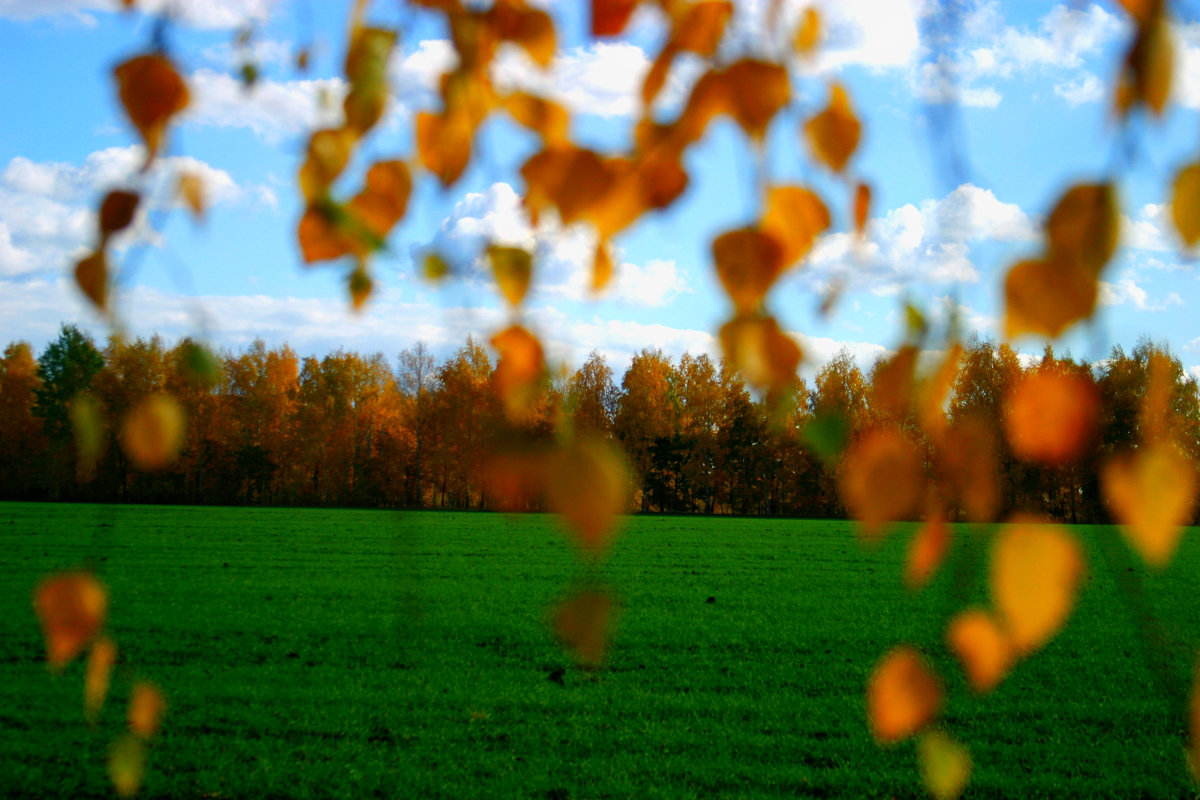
(71, 608)
(328, 152)
(1084, 226)
(1152, 493)
(1045, 297)
(1185, 204)
(982, 647)
(546, 118)
(434, 267)
(1148, 66)
(153, 432)
(748, 261)
(190, 189)
(116, 211)
(1035, 572)
(902, 695)
(602, 267)
(146, 708)
(512, 268)
(808, 32)
(521, 368)
(583, 623)
(795, 217)
(588, 487)
(764, 355)
(126, 765)
(152, 92)
(927, 550)
(444, 145)
(366, 72)
(833, 134)
(91, 276)
(96, 677)
(1050, 417)
(945, 765)
(882, 479)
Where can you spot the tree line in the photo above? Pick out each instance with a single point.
(268, 427)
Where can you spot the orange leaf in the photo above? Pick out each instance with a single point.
(927, 551)
(748, 261)
(521, 368)
(1045, 297)
(862, 207)
(656, 76)
(945, 765)
(756, 92)
(968, 463)
(808, 32)
(583, 623)
(153, 432)
(444, 145)
(531, 28)
(882, 479)
(546, 118)
(609, 17)
(319, 239)
(384, 200)
(602, 267)
(588, 486)
(512, 268)
(126, 765)
(795, 217)
(894, 383)
(146, 708)
(567, 178)
(764, 355)
(1083, 227)
(366, 72)
(329, 151)
(1035, 572)
(902, 695)
(96, 677)
(982, 647)
(152, 92)
(513, 479)
(1152, 493)
(71, 608)
(190, 189)
(701, 25)
(1185, 204)
(116, 211)
(1148, 67)
(1050, 417)
(833, 134)
(91, 276)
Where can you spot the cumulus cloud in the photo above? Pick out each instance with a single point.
(563, 255)
(271, 109)
(208, 14)
(1086, 88)
(1127, 292)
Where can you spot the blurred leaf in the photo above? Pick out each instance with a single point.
(444, 145)
(764, 355)
(748, 262)
(701, 25)
(1083, 227)
(520, 371)
(1050, 417)
(200, 365)
(249, 75)
(87, 423)
(382, 202)
(609, 17)
(583, 623)
(320, 239)
(882, 479)
(1035, 572)
(927, 550)
(808, 32)
(602, 267)
(1185, 204)
(934, 391)
(548, 119)
(1044, 297)
(531, 28)
(366, 73)
(71, 608)
(757, 91)
(587, 484)
(827, 435)
(116, 211)
(1152, 493)
(902, 695)
(834, 133)
(146, 709)
(945, 765)
(190, 189)
(795, 216)
(151, 92)
(126, 765)
(153, 432)
(96, 677)
(982, 647)
(361, 287)
(91, 276)
(894, 382)
(328, 152)
(513, 269)
(1149, 64)
(862, 207)
(968, 464)
(434, 267)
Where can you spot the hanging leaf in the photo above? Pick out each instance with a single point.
(151, 92)
(530, 28)
(189, 188)
(87, 423)
(1152, 493)
(862, 207)
(583, 623)
(546, 118)
(513, 268)
(1045, 297)
(934, 391)
(520, 371)
(748, 261)
(1050, 417)
(91, 276)
(444, 145)
(826, 434)
(902, 695)
(927, 550)
(116, 211)
(382, 202)
(319, 236)
(1035, 572)
(808, 32)
(764, 355)
(1185, 204)
(71, 608)
(982, 647)
(360, 286)
(882, 479)
(795, 216)
(968, 464)
(366, 73)
(96, 677)
(609, 17)
(701, 26)
(945, 765)
(588, 487)
(328, 153)
(570, 179)
(894, 383)
(146, 708)
(602, 266)
(1083, 227)
(126, 765)
(1148, 67)
(834, 133)
(434, 268)
(756, 92)
(153, 432)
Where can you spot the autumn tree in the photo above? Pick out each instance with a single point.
(21, 437)
(66, 370)
(415, 373)
(592, 397)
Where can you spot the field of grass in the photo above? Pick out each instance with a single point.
(313, 653)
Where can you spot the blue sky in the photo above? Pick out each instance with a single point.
(1033, 83)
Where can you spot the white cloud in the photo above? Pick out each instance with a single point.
(820, 350)
(196, 13)
(271, 109)
(562, 267)
(1086, 88)
(1126, 292)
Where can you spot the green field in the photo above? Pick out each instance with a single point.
(314, 653)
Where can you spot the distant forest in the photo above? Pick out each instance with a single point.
(268, 427)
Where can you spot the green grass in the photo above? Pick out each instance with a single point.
(357, 654)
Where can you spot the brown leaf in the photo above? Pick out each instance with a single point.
(795, 216)
(748, 262)
(583, 623)
(153, 432)
(146, 708)
(96, 677)
(1152, 493)
(945, 765)
(152, 92)
(126, 765)
(544, 117)
(531, 28)
(444, 145)
(1035, 572)
(190, 189)
(434, 267)
(894, 383)
(902, 695)
(982, 647)
(756, 91)
(1185, 204)
(116, 211)
(1045, 297)
(91, 276)
(968, 464)
(862, 207)
(1083, 227)
(568, 178)
(701, 26)
(513, 268)
(521, 368)
(609, 17)
(360, 286)
(834, 133)
(588, 486)
(1050, 417)
(927, 550)
(764, 355)
(328, 152)
(882, 479)
(71, 608)
(1148, 67)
